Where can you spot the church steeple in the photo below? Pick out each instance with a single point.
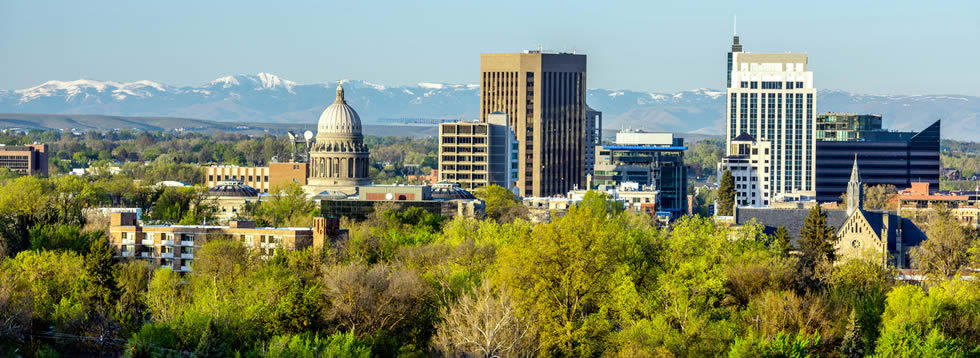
(855, 190)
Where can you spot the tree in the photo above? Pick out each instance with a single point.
(852, 347)
(132, 281)
(365, 299)
(165, 296)
(947, 247)
(287, 206)
(485, 323)
(100, 267)
(817, 250)
(781, 241)
(878, 197)
(574, 274)
(726, 194)
(501, 204)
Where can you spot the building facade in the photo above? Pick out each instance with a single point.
(886, 158)
(338, 158)
(231, 197)
(29, 159)
(919, 202)
(653, 160)
(543, 95)
(749, 163)
(771, 97)
(477, 154)
(593, 137)
(174, 246)
(446, 199)
(846, 126)
(262, 179)
(881, 236)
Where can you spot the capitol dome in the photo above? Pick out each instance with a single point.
(339, 119)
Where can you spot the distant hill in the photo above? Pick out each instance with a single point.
(266, 98)
(86, 122)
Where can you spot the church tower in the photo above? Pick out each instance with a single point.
(855, 191)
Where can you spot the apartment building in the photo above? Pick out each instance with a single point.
(174, 246)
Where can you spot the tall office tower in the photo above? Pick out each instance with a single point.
(543, 95)
(736, 47)
(885, 158)
(593, 137)
(771, 97)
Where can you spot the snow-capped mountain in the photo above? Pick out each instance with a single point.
(266, 97)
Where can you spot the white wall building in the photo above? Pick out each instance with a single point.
(771, 97)
(751, 167)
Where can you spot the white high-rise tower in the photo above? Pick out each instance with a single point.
(771, 97)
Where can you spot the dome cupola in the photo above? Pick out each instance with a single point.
(339, 119)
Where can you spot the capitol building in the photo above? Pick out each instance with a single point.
(338, 161)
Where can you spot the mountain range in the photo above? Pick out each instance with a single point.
(267, 98)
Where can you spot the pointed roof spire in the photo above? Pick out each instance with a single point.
(855, 177)
(340, 94)
(735, 26)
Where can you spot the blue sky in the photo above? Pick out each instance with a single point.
(866, 47)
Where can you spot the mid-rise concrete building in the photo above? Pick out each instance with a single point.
(25, 159)
(750, 164)
(477, 154)
(846, 126)
(543, 95)
(174, 246)
(654, 160)
(772, 98)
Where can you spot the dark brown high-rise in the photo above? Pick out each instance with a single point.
(543, 94)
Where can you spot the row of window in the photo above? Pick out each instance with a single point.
(771, 84)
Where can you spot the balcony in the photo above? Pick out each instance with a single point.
(127, 254)
(128, 241)
(167, 255)
(146, 254)
(187, 255)
(187, 243)
(167, 266)
(184, 268)
(147, 242)
(168, 243)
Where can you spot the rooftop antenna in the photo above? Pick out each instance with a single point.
(735, 26)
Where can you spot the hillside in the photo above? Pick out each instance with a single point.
(266, 98)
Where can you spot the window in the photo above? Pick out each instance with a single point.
(754, 85)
